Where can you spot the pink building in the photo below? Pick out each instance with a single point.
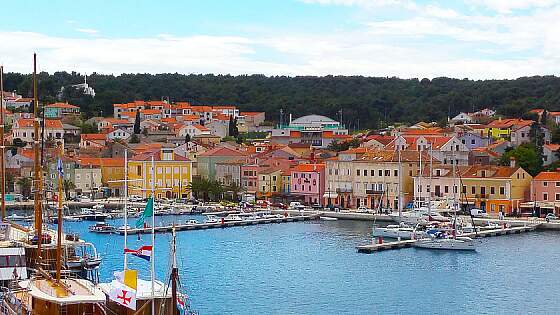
(545, 190)
(308, 183)
(249, 178)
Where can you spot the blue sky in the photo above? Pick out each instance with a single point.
(477, 39)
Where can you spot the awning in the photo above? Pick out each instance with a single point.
(330, 195)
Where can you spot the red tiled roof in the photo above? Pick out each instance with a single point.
(548, 176)
(62, 105)
(49, 123)
(222, 151)
(93, 136)
(95, 161)
(250, 113)
(309, 167)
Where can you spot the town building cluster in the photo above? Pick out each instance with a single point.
(252, 159)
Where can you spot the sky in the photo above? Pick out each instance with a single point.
(475, 39)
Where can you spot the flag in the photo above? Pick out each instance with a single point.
(122, 294)
(148, 212)
(127, 277)
(144, 252)
(60, 168)
(180, 304)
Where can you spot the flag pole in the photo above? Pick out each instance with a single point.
(125, 205)
(153, 234)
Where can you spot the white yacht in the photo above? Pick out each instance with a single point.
(402, 231)
(458, 243)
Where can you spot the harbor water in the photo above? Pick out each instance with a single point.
(313, 268)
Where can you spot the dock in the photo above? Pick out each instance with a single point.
(203, 226)
(370, 248)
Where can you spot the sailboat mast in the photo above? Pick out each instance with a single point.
(430, 182)
(125, 205)
(2, 166)
(37, 167)
(174, 274)
(153, 234)
(454, 194)
(399, 200)
(59, 238)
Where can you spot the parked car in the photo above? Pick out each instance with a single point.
(134, 198)
(550, 216)
(296, 205)
(363, 209)
(477, 213)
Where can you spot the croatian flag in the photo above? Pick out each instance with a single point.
(180, 304)
(144, 252)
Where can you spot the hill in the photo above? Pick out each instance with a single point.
(367, 102)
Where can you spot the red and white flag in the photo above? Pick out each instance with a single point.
(144, 252)
(122, 294)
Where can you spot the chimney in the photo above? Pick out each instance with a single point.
(512, 161)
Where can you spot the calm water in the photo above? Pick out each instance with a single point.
(313, 268)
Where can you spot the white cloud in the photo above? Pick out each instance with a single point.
(87, 31)
(507, 6)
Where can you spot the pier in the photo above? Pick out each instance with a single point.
(370, 248)
(225, 224)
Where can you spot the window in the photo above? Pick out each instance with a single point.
(557, 197)
(380, 173)
(557, 184)
(330, 171)
(464, 189)
(545, 184)
(492, 207)
(387, 172)
(483, 190)
(395, 173)
(274, 178)
(455, 189)
(419, 188)
(263, 188)
(502, 190)
(274, 188)
(336, 171)
(372, 173)
(357, 172)
(446, 189)
(438, 172)
(365, 172)
(159, 170)
(295, 175)
(295, 187)
(545, 196)
(473, 190)
(473, 142)
(492, 190)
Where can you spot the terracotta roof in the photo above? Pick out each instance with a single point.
(62, 105)
(548, 176)
(190, 117)
(201, 127)
(224, 107)
(355, 150)
(95, 161)
(308, 167)
(115, 120)
(49, 123)
(201, 108)
(509, 123)
(150, 111)
(552, 146)
(169, 120)
(250, 113)
(385, 140)
(147, 156)
(393, 156)
(492, 171)
(93, 136)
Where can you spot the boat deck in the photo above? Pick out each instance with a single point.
(370, 248)
(203, 226)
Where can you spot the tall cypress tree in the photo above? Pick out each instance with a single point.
(137, 123)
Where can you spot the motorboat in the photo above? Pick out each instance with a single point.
(446, 243)
(402, 231)
(192, 222)
(102, 227)
(328, 219)
(232, 218)
(72, 219)
(211, 219)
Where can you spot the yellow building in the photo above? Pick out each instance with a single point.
(112, 172)
(269, 182)
(487, 187)
(172, 174)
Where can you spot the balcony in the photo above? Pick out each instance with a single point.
(374, 192)
(344, 190)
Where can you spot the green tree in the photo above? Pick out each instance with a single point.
(200, 188)
(24, 184)
(134, 139)
(89, 128)
(343, 146)
(216, 190)
(187, 138)
(67, 186)
(526, 156)
(137, 123)
(234, 190)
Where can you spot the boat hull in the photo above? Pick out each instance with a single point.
(446, 244)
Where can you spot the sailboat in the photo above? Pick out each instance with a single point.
(44, 293)
(441, 240)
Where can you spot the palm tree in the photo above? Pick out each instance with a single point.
(200, 187)
(24, 184)
(216, 189)
(68, 185)
(234, 189)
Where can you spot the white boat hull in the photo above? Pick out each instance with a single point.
(446, 244)
(396, 233)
